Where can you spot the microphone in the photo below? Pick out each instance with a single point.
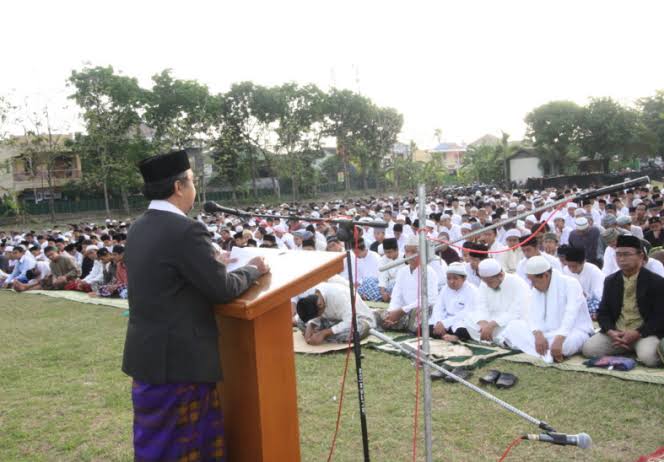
(582, 440)
(213, 207)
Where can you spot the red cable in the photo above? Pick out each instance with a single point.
(348, 350)
(520, 244)
(512, 445)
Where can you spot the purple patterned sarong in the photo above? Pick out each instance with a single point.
(177, 423)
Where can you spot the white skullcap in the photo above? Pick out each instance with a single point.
(413, 240)
(512, 233)
(636, 202)
(537, 265)
(520, 208)
(429, 224)
(579, 212)
(572, 205)
(457, 268)
(531, 218)
(400, 217)
(91, 247)
(239, 229)
(512, 205)
(280, 228)
(467, 226)
(623, 220)
(581, 223)
(489, 267)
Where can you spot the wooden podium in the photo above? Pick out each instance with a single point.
(258, 391)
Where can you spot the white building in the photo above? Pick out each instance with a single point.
(524, 164)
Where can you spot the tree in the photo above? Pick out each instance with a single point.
(652, 113)
(554, 129)
(43, 150)
(483, 165)
(299, 129)
(608, 129)
(438, 134)
(110, 103)
(346, 114)
(177, 111)
(377, 137)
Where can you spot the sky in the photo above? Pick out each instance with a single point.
(466, 67)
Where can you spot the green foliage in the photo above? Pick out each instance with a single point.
(609, 129)
(652, 111)
(554, 130)
(483, 163)
(8, 206)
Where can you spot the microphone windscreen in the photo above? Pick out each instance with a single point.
(585, 441)
(210, 207)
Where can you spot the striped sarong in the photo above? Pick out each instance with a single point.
(177, 423)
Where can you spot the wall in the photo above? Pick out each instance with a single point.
(523, 168)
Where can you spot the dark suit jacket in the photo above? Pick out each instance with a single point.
(649, 298)
(173, 281)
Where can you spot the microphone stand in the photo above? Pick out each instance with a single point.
(347, 236)
(587, 195)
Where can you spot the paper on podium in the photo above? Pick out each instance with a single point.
(240, 256)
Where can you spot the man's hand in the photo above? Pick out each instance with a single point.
(393, 317)
(616, 337)
(629, 337)
(541, 343)
(486, 330)
(319, 337)
(308, 332)
(385, 295)
(557, 348)
(439, 329)
(260, 263)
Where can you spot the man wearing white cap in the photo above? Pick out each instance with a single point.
(558, 322)
(283, 237)
(455, 300)
(501, 298)
(402, 314)
(512, 257)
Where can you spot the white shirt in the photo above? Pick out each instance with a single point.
(405, 295)
(338, 307)
(453, 305)
(96, 274)
(472, 278)
(440, 267)
(591, 279)
(165, 206)
(610, 263)
(560, 309)
(367, 266)
(509, 302)
(388, 277)
(655, 266)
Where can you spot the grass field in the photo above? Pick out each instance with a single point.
(64, 398)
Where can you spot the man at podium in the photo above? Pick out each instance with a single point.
(171, 347)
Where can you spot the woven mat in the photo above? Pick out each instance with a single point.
(575, 363)
(465, 354)
(81, 297)
(301, 346)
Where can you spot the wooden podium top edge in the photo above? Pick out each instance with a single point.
(292, 272)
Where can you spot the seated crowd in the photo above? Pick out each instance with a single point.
(536, 285)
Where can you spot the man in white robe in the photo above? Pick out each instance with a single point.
(403, 312)
(531, 250)
(557, 323)
(502, 298)
(387, 278)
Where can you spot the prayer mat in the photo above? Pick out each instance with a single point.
(575, 363)
(300, 346)
(378, 305)
(81, 297)
(177, 422)
(466, 354)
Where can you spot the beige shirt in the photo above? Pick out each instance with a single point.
(630, 318)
